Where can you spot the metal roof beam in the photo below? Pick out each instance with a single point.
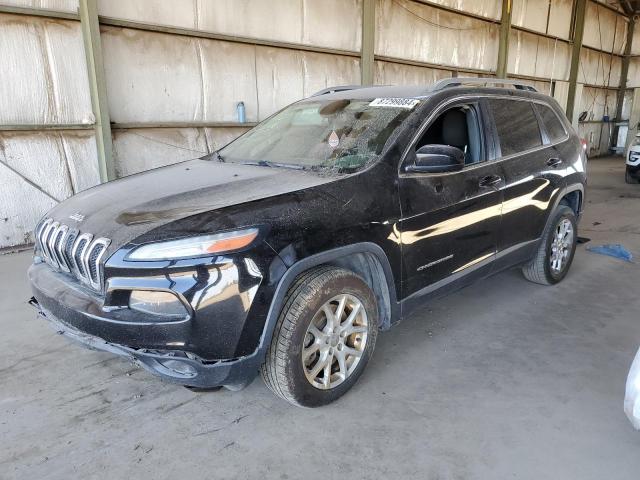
(97, 87)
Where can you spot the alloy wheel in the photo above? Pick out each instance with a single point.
(335, 341)
(561, 245)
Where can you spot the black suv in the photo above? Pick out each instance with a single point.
(287, 250)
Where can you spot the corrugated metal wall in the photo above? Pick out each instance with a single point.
(172, 91)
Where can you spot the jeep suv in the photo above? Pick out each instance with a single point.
(286, 251)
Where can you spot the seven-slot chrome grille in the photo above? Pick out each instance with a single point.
(71, 251)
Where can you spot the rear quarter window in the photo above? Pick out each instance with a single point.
(552, 124)
(517, 125)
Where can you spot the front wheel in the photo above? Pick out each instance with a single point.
(557, 248)
(628, 178)
(324, 337)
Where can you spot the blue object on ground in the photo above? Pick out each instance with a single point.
(613, 250)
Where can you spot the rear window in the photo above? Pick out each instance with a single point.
(517, 125)
(553, 125)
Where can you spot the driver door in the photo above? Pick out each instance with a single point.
(450, 221)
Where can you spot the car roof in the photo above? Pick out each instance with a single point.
(455, 85)
(384, 91)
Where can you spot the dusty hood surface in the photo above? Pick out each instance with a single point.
(124, 209)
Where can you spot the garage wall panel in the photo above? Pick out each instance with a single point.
(279, 79)
(635, 45)
(396, 74)
(531, 14)
(285, 76)
(70, 6)
(36, 171)
(228, 77)
(175, 13)
(142, 149)
(633, 78)
(44, 73)
(327, 23)
(151, 76)
(560, 18)
(604, 29)
(156, 77)
(22, 206)
(409, 30)
(274, 20)
(137, 150)
(627, 104)
(484, 8)
(537, 56)
(332, 23)
(544, 16)
(598, 68)
(321, 71)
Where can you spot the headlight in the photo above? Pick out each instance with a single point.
(195, 246)
(636, 141)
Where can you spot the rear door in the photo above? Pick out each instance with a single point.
(533, 173)
(450, 221)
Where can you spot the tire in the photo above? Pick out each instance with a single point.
(539, 269)
(283, 370)
(629, 179)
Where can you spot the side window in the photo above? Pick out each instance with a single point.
(517, 125)
(552, 124)
(457, 127)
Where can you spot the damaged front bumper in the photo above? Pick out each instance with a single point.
(174, 366)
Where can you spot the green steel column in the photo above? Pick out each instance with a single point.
(368, 42)
(503, 47)
(580, 8)
(97, 86)
(624, 71)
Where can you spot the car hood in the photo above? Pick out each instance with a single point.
(124, 209)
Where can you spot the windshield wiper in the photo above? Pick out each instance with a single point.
(267, 163)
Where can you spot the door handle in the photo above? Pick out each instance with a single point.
(490, 181)
(554, 162)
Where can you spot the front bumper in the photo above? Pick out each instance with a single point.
(175, 366)
(632, 393)
(216, 344)
(634, 171)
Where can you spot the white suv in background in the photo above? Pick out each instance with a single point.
(632, 158)
(632, 393)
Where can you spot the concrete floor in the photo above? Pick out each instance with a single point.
(504, 379)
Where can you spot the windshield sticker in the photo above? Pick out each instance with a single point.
(333, 140)
(407, 103)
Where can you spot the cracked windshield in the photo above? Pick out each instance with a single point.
(340, 136)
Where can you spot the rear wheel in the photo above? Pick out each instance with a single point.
(324, 337)
(557, 248)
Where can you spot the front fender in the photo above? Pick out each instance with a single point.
(346, 257)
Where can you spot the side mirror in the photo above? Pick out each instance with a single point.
(437, 159)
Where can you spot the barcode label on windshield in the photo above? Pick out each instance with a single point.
(407, 103)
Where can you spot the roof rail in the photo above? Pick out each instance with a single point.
(459, 81)
(339, 88)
